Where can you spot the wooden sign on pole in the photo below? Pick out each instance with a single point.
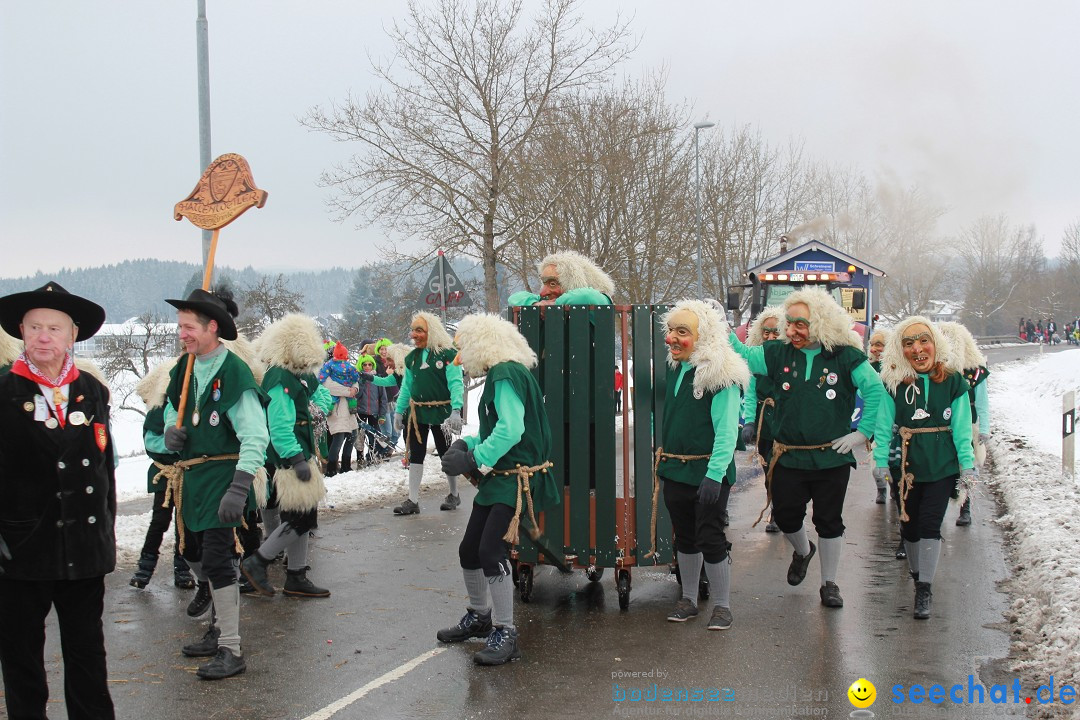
(225, 191)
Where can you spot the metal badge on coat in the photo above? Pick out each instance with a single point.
(438, 364)
(786, 386)
(830, 393)
(215, 394)
(77, 418)
(831, 378)
(920, 414)
(947, 413)
(214, 418)
(51, 423)
(698, 393)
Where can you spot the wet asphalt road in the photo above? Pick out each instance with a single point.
(395, 581)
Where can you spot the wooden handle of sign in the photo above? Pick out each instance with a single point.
(207, 273)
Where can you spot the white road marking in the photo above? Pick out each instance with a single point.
(378, 682)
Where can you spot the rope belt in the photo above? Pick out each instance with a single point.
(907, 480)
(174, 490)
(661, 455)
(756, 455)
(523, 474)
(779, 449)
(414, 424)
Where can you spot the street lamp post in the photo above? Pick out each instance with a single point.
(202, 52)
(698, 127)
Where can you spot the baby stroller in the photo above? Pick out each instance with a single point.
(372, 446)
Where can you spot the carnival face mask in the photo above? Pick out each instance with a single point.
(919, 348)
(798, 325)
(419, 333)
(682, 335)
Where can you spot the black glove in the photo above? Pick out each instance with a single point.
(708, 491)
(300, 465)
(175, 437)
(367, 377)
(234, 501)
(460, 444)
(749, 433)
(459, 462)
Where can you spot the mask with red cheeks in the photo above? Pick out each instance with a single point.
(682, 335)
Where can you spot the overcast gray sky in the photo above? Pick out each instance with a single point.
(975, 101)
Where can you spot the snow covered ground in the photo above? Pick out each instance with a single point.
(1040, 519)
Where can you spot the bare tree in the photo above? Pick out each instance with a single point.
(997, 260)
(265, 302)
(126, 357)
(469, 89)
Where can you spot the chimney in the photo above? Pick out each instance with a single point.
(783, 244)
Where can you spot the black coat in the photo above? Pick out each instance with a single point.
(57, 486)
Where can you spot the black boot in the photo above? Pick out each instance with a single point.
(144, 571)
(181, 573)
(201, 602)
(225, 664)
(922, 600)
(331, 468)
(254, 569)
(346, 466)
(297, 584)
(207, 646)
(965, 514)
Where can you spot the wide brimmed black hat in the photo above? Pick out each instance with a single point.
(88, 316)
(213, 307)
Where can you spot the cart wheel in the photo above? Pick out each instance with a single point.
(623, 585)
(703, 587)
(525, 582)
(594, 574)
(514, 572)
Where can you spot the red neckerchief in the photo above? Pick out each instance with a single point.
(24, 367)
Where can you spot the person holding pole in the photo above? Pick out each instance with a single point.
(220, 434)
(759, 401)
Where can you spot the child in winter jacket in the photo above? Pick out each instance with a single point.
(371, 404)
(341, 379)
(338, 369)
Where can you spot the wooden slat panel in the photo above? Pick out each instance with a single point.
(603, 456)
(579, 413)
(553, 369)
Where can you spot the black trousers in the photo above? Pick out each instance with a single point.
(160, 519)
(215, 548)
(792, 489)
(698, 528)
(482, 547)
(24, 604)
(417, 450)
(926, 504)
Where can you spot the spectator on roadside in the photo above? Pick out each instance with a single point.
(618, 390)
(343, 382)
(370, 407)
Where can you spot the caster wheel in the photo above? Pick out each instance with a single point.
(525, 583)
(594, 574)
(623, 585)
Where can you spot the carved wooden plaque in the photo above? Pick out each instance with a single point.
(225, 190)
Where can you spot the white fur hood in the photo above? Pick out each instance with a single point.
(895, 368)
(577, 271)
(754, 335)
(152, 388)
(716, 363)
(965, 354)
(829, 323)
(9, 348)
(437, 337)
(487, 340)
(294, 343)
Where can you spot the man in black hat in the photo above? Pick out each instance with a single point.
(222, 444)
(57, 505)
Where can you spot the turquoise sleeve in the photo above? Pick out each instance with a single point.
(405, 393)
(886, 418)
(982, 407)
(155, 442)
(248, 419)
(281, 417)
(170, 414)
(471, 441)
(724, 411)
(323, 399)
(754, 356)
(523, 298)
(749, 405)
(583, 296)
(456, 385)
(869, 384)
(507, 431)
(960, 422)
(385, 381)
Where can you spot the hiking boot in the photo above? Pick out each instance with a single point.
(451, 502)
(881, 492)
(331, 469)
(246, 588)
(471, 625)
(144, 571)
(407, 507)
(922, 600)
(207, 647)
(830, 595)
(225, 664)
(901, 550)
(201, 602)
(796, 571)
(182, 577)
(964, 519)
(501, 647)
(721, 618)
(254, 569)
(683, 611)
(347, 466)
(297, 584)
(771, 527)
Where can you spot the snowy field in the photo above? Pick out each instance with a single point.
(1040, 520)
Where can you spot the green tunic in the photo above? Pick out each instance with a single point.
(931, 456)
(534, 447)
(205, 484)
(428, 384)
(299, 389)
(154, 424)
(689, 429)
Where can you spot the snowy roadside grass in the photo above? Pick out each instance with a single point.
(1040, 522)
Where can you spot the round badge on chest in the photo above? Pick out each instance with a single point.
(438, 364)
(947, 413)
(698, 393)
(831, 378)
(786, 386)
(77, 418)
(831, 394)
(214, 418)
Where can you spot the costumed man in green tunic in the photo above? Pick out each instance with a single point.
(222, 445)
(568, 278)
(967, 359)
(431, 396)
(508, 461)
(292, 350)
(817, 367)
(697, 456)
(151, 389)
(9, 351)
(759, 403)
(877, 346)
(926, 415)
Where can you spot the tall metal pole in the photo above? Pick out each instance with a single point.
(442, 286)
(697, 209)
(202, 45)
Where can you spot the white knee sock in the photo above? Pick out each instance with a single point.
(913, 555)
(719, 575)
(452, 481)
(477, 587)
(501, 588)
(278, 540)
(690, 572)
(799, 542)
(196, 570)
(929, 552)
(271, 518)
(829, 552)
(227, 607)
(298, 551)
(416, 474)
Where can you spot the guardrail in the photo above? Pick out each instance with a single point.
(997, 339)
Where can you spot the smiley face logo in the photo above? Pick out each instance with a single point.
(862, 693)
